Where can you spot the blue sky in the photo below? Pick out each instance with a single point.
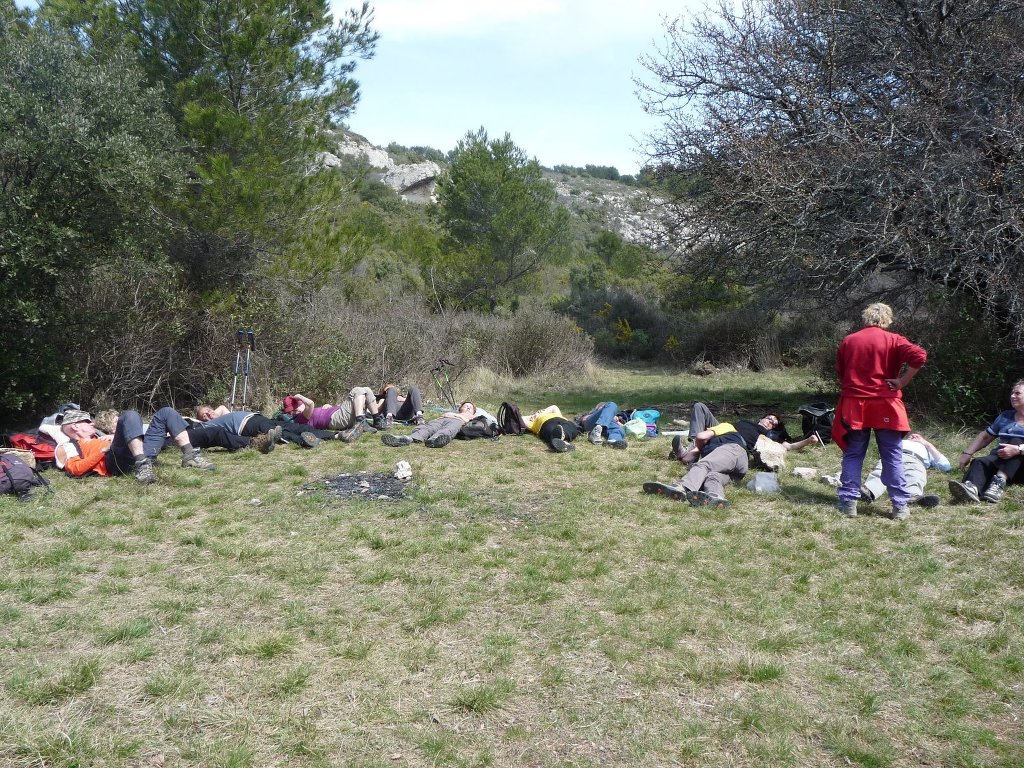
(557, 75)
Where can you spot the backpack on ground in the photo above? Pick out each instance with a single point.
(18, 478)
(817, 420)
(650, 417)
(510, 419)
(477, 428)
(41, 446)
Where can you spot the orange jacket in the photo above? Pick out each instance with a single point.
(87, 456)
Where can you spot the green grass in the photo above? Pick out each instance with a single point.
(517, 608)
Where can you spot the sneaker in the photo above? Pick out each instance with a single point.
(262, 443)
(195, 460)
(899, 514)
(996, 488)
(558, 445)
(437, 441)
(927, 501)
(866, 495)
(354, 432)
(964, 492)
(847, 508)
(396, 441)
(595, 435)
(309, 440)
(621, 444)
(144, 472)
(674, 492)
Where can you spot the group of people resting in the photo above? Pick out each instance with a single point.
(873, 366)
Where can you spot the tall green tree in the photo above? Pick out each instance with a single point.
(502, 219)
(86, 148)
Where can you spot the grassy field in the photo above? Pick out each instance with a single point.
(519, 607)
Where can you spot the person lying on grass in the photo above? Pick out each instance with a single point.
(348, 416)
(770, 425)
(550, 426)
(719, 456)
(393, 406)
(603, 425)
(130, 449)
(437, 433)
(919, 455)
(251, 424)
(200, 435)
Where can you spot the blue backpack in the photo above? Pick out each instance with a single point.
(650, 418)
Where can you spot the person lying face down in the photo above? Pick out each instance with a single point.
(437, 433)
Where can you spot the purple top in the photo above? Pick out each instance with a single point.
(321, 417)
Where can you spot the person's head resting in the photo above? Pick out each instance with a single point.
(467, 408)
(204, 412)
(772, 422)
(106, 421)
(77, 425)
(877, 314)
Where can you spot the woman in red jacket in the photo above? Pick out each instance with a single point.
(874, 365)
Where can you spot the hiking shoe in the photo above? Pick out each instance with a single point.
(354, 432)
(144, 472)
(996, 488)
(899, 514)
(558, 445)
(419, 421)
(380, 421)
(964, 492)
(437, 441)
(707, 500)
(262, 443)
(677, 443)
(621, 444)
(368, 428)
(866, 495)
(396, 441)
(847, 508)
(195, 460)
(674, 492)
(595, 435)
(927, 501)
(389, 421)
(309, 440)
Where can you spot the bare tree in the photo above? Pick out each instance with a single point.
(826, 141)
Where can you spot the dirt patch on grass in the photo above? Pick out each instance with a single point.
(366, 485)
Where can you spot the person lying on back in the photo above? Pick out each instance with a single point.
(437, 433)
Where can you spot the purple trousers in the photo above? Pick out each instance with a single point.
(891, 453)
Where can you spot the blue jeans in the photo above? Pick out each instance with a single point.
(604, 415)
(891, 452)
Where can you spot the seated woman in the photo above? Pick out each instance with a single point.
(393, 406)
(554, 429)
(1003, 465)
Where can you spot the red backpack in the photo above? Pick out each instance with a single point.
(42, 448)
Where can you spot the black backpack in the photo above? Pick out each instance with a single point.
(510, 419)
(19, 478)
(817, 420)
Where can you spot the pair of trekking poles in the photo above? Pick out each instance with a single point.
(244, 340)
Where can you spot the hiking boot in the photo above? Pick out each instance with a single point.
(595, 435)
(309, 440)
(558, 445)
(899, 514)
(395, 441)
(195, 460)
(847, 508)
(621, 444)
(144, 472)
(674, 492)
(368, 428)
(677, 443)
(866, 495)
(964, 492)
(262, 443)
(437, 441)
(354, 432)
(996, 488)
(927, 501)
(418, 420)
(707, 500)
(389, 421)
(380, 421)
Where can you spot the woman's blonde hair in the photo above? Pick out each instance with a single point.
(106, 421)
(877, 314)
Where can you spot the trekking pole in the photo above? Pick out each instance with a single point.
(443, 383)
(250, 347)
(239, 341)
